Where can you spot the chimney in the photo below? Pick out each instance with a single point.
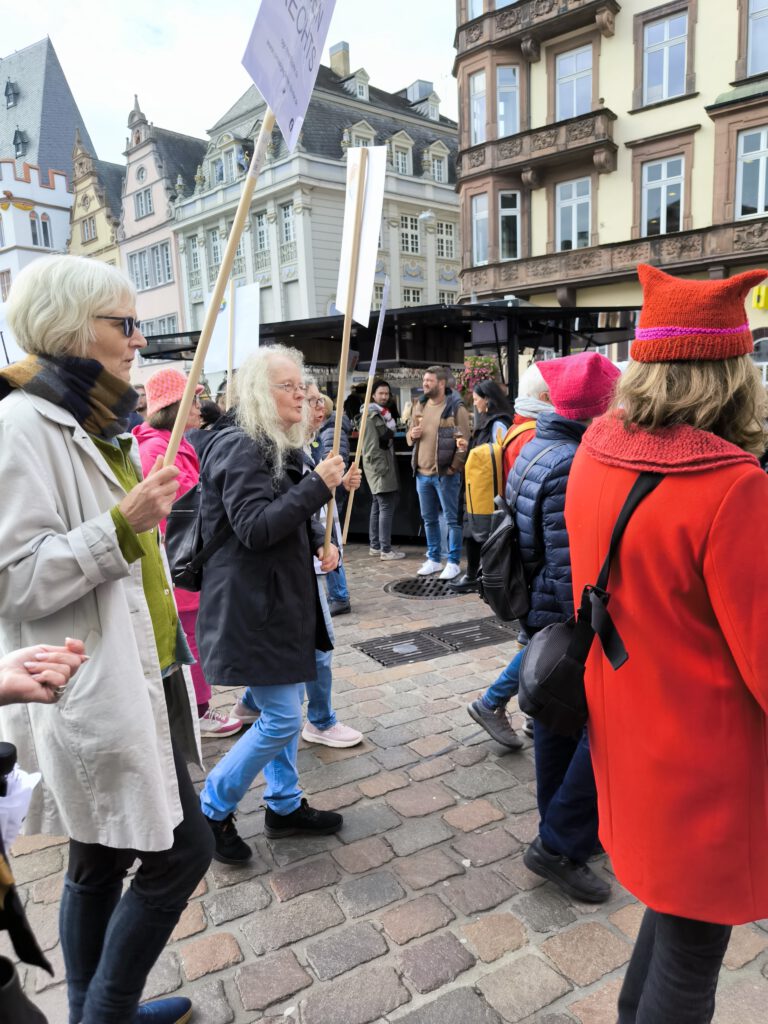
(340, 59)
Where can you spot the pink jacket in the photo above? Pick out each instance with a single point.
(154, 443)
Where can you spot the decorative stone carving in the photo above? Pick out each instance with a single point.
(531, 49)
(509, 272)
(477, 158)
(683, 248)
(548, 268)
(510, 148)
(509, 19)
(583, 129)
(604, 160)
(447, 274)
(542, 8)
(585, 259)
(289, 273)
(544, 140)
(605, 20)
(413, 271)
(753, 237)
(531, 177)
(474, 32)
(182, 247)
(631, 255)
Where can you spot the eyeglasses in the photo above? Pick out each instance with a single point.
(130, 323)
(316, 402)
(296, 389)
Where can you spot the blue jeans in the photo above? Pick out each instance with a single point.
(436, 494)
(336, 582)
(506, 686)
(566, 793)
(270, 744)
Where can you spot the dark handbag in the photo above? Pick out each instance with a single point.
(553, 664)
(502, 582)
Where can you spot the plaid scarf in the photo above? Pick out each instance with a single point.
(100, 402)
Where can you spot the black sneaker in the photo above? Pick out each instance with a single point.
(230, 848)
(495, 723)
(304, 821)
(465, 584)
(577, 880)
(339, 607)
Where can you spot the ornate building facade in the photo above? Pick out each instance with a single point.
(595, 135)
(292, 242)
(95, 217)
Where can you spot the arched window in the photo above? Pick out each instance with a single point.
(45, 224)
(34, 226)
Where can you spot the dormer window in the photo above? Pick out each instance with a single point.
(11, 93)
(435, 162)
(433, 112)
(357, 84)
(19, 143)
(362, 91)
(402, 153)
(361, 134)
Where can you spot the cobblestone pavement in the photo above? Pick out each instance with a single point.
(420, 910)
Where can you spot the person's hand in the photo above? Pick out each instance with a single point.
(352, 478)
(39, 674)
(331, 471)
(416, 431)
(151, 500)
(330, 561)
(462, 444)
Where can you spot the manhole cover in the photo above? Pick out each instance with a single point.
(421, 588)
(404, 648)
(464, 636)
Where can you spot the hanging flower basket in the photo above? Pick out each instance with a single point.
(476, 368)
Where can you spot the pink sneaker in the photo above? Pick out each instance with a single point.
(337, 736)
(213, 723)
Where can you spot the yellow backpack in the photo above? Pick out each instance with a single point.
(483, 481)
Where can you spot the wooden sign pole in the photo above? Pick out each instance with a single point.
(358, 455)
(231, 345)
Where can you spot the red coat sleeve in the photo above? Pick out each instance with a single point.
(736, 576)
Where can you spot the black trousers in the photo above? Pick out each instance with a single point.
(473, 556)
(672, 976)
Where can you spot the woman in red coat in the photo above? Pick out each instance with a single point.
(679, 734)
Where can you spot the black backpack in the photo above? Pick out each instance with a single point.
(553, 664)
(184, 537)
(502, 581)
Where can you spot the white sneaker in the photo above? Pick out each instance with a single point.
(450, 572)
(428, 568)
(374, 551)
(337, 736)
(213, 723)
(244, 714)
(392, 555)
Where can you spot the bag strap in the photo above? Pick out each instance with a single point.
(492, 454)
(516, 431)
(529, 467)
(224, 532)
(593, 615)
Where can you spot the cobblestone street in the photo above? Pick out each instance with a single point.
(420, 910)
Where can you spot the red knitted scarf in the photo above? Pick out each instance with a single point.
(679, 449)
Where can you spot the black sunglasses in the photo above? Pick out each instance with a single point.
(130, 323)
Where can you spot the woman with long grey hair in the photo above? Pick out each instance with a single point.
(260, 621)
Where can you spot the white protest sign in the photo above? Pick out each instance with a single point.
(369, 233)
(283, 55)
(245, 329)
(9, 350)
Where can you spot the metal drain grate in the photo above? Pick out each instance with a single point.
(464, 636)
(404, 648)
(421, 588)
(436, 642)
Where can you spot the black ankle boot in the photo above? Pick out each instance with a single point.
(15, 1005)
(303, 821)
(230, 848)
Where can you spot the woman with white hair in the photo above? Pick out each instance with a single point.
(260, 620)
(80, 556)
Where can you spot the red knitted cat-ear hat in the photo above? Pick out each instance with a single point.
(690, 320)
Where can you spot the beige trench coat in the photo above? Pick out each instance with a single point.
(105, 749)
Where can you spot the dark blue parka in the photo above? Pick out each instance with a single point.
(541, 518)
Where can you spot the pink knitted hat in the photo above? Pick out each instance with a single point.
(165, 388)
(580, 386)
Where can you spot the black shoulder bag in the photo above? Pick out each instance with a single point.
(552, 668)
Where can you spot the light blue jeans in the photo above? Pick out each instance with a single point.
(506, 686)
(337, 584)
(440, 494)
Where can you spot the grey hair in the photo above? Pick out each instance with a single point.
(256, 409)
(54, 298)
(532, 383)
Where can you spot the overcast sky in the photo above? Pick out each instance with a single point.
(183, 57)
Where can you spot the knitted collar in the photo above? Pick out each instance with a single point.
(100, 402)
(678, 449)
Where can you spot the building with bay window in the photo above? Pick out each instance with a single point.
(292, 241)
(595, 135)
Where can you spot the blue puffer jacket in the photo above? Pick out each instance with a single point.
(541, 518)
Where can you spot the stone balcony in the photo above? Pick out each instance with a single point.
(529, 24)
(534, 151)
(711, 250)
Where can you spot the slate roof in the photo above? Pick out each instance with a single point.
(111, 177)
(326, 120)
(179, 154)
(45, 110)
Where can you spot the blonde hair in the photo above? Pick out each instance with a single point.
(54, 299)
(257, 412)
(328, 403)
(725, 397)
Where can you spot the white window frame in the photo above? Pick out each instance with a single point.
(47, 232)
(446, 298)
(142, 203)
(509, 215)
(665, 45)
(88, 229)
(664, 184)
(412, 296)
(214, 246)
(361, 140)
(229, 165)
(572, 80)
(287, 225)
(194, 253)
(152, 267)
(5, 284)
(260, 232)
(479, 216)
(477, 107)
(506, 124)
(573, 204)
(410, 236)
(378, 296)
(756, 17)
(439, 170)
(445, 236)
(402, 160)
(741, 159)
(34, 228)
